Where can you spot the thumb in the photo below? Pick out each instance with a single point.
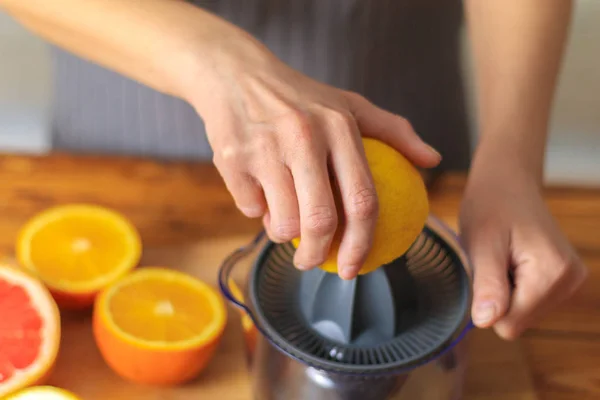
(491, 287)
(392, 129)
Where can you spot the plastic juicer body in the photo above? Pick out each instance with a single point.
(276, 376)
(277, 373)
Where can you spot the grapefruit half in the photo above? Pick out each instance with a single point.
(29, 330)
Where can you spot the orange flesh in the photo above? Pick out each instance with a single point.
(68, 250)
(156, 311)
(20, 330)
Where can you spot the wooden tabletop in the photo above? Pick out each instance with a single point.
(563, 351)
(188, 221)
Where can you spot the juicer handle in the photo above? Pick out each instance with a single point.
(225, 280)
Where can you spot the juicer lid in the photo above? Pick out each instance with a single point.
(400, 316)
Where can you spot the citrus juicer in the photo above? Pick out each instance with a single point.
(392, 334)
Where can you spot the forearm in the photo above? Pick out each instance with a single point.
(160, 43)
(518, 46)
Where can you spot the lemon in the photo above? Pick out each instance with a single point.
(403, 208)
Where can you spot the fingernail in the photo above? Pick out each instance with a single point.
(484, 313)
(434, 151)
(302, 267)
(348, 272)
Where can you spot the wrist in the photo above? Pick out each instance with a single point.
(209, 65)
(513, 154)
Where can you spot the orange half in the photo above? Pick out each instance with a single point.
(77, 250)
(159, 326)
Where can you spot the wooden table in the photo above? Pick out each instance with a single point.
(188, 221)
(563, 351)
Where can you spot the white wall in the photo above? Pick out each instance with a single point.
(575, 130)
(574, 153)
(24, 89)
(574, 145)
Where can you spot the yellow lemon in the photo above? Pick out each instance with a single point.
(403, 208)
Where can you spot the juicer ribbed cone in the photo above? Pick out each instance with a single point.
(397, 317)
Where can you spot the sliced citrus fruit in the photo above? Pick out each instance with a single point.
(77, 250)
(158, 326)
(29, 330)
(403, 208)
(250, 330)
(43, 393)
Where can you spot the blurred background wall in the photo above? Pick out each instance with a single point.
(573, 153)
(24, 89)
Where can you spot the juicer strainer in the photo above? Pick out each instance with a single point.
(389, 321)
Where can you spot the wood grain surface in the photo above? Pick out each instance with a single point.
(188, 221)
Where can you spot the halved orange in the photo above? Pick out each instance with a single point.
(249, 329)
(29, 330)
(159, 326)
(77, 250)
(43, 393)
(403, 208)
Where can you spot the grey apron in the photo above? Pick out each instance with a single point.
(403, 55)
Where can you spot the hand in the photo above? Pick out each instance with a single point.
(277, 135)
(507, 229)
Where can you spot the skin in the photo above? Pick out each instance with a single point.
(273, 130)
(505, 224)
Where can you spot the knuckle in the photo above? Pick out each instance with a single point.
(230, 157)
(364, 204)
(404, 123)
(491, 286)
(299, 124)
(263, 143)
(357, 253)
(356, 97)
(340, 120)
(564, 265)
(321, 220)
(225, 158)
(287, 229)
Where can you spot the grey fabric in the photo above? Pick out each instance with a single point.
(401, 54)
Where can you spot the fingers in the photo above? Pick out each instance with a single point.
(358, 195)
(489, 253)
(280, 194)
(541, 283)
(245, 189)
(393, 130)
(318, 216)
(288, 182)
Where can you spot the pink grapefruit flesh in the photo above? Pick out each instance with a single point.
(29, 330)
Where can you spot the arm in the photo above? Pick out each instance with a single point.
(505, 223)
(518, 45)
(156, 42)
(275, 133)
